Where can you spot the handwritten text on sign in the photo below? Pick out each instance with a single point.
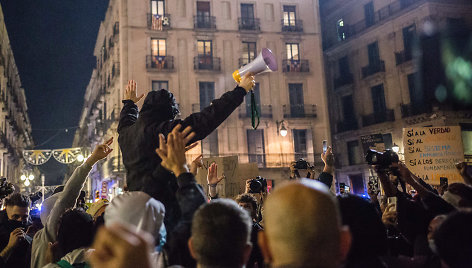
(431, 152)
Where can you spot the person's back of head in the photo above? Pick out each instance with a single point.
(221, 233)
(137, 209)
(369, 237)
(303, 227)
(159, 106)
(453, 239)
(75, 230)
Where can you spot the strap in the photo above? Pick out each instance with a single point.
(64, 264)
(254, 111)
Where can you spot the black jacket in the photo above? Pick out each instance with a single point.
(138, 139)
(21, 255)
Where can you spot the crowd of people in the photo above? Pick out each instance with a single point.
(167, 220)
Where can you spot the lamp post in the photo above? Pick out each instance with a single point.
(27, 179)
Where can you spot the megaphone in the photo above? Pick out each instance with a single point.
(265, 62)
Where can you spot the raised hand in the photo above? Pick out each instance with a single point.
(247, 82)
(328, 159)
(172, 153)
(100, 152)
(212, 177)
(196, 163)
(131, 92)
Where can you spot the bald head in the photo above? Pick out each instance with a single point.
(302, 225)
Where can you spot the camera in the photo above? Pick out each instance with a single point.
(257, 185)
(382, 160)
(301, 164)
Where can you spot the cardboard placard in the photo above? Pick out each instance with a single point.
(431, 152)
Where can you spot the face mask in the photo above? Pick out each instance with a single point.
(432, 246)
(16, 224)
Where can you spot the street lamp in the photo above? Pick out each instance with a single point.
(281, 128)
(80, 158)
(27, 179)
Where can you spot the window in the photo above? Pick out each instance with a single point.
(157, 7)
(354, 153)
(203, 14)
(292, 51)
(247, 11)
(297, 108)
(289, 16)
(207, 93)
(348, 109)
(205, 54)
(378, 99)
(409, 34)
(249, 52)
(157, 85)
(369, 14)
(343, 64)
(373, 52)
(257, 95)
(300, 143)
(255, 146)
(158, 47)
(341, 30)
(416, 93)
(210, 144)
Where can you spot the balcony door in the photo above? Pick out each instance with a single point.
(205, 54)
(247, 16)
(207, 94)
(158, 7)
(255, 147)
(374, 56)
(300, 143)
(203, 14)
(378, 99)
(290, 16)
(297, 108)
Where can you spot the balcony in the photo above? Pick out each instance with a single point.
(403, 56)
(342, 80)
(295, 66)
(299, 111)
(116, 28)
(347, 125)
(204, 22)
(158, 23)
(380, 15)
(292, 26)
(413, 109)
(158, 63)
(206, 63)
(265, 111)
(249, 24)
(378, 117)
(373, 68)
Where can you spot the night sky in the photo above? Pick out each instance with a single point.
(53, 42)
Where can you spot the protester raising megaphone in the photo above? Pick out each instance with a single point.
(265, 62)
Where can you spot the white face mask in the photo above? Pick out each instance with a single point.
(432, 246)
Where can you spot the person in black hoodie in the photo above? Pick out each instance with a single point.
(138, 137)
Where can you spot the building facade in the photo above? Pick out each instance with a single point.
(191, 48)
(15, 127)
(374, 82)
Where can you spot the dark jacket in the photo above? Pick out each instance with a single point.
(21, 255)
(138, 139)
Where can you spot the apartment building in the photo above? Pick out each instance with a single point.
(191, 48)
(374, 82)
(15, 127)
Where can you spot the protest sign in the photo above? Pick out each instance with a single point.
(431, 152)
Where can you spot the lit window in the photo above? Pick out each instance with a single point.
(341, 30)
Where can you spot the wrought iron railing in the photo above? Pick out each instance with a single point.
(292, 25)
(206, 63)
(249, 24)
(298, 66)
(342, 80)
(158, 23)
(378, 117)
(204, 22)
(299, 111)
(160, 62)
(265, 111)
(373, 68)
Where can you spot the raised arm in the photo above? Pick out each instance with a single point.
(129, 113)
(67, 198)
(326, 176)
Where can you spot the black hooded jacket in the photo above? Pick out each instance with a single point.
(138, 139)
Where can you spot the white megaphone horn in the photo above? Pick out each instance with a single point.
(265, 62)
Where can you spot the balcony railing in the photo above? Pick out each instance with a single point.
(342, 80)
(265, 111)
(413, 109)
(249, 24)
(204, 22)
(160, 62)
(347, 125)
(297, 66)
(299, 111)
(403, 56)
(206, 63)
(158, 23)
(116, 28)
(379, 16)
(373, 68)
(378, 117)
(292, 26)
